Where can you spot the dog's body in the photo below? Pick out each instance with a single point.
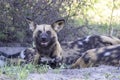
(109, 55)
(46, 41)
(73, 50)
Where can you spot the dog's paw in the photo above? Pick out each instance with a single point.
(56, 63)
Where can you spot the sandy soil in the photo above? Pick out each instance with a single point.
(94, 73)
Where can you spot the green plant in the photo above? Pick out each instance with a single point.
(21, 72)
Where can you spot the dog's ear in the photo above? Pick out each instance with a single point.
(32, 25)
(58, 25)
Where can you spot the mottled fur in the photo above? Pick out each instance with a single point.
(109, 55)
(73, 50)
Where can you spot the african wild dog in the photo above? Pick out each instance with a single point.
(46, 41)
(109, 55)
(73, 50)
(46, 45)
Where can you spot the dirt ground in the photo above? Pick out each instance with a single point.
(94, 73)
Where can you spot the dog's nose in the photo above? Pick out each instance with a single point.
(44, 38)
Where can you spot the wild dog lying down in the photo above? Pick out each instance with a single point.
(73, 50)
(46, 41)
(109, 55)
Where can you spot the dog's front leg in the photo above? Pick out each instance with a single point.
(57, 57)
(36, 58)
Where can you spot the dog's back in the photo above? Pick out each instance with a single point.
(73, 50)
(99, 56)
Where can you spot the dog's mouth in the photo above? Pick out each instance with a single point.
(44, 43)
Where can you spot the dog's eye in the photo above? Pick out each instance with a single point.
(39, 32)
(48, 32)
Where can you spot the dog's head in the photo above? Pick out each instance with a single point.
(45, 34)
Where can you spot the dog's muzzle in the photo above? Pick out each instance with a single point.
(44, 39)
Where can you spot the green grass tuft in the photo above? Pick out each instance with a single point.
(21, 72)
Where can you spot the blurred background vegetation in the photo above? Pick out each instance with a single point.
(83, 17)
